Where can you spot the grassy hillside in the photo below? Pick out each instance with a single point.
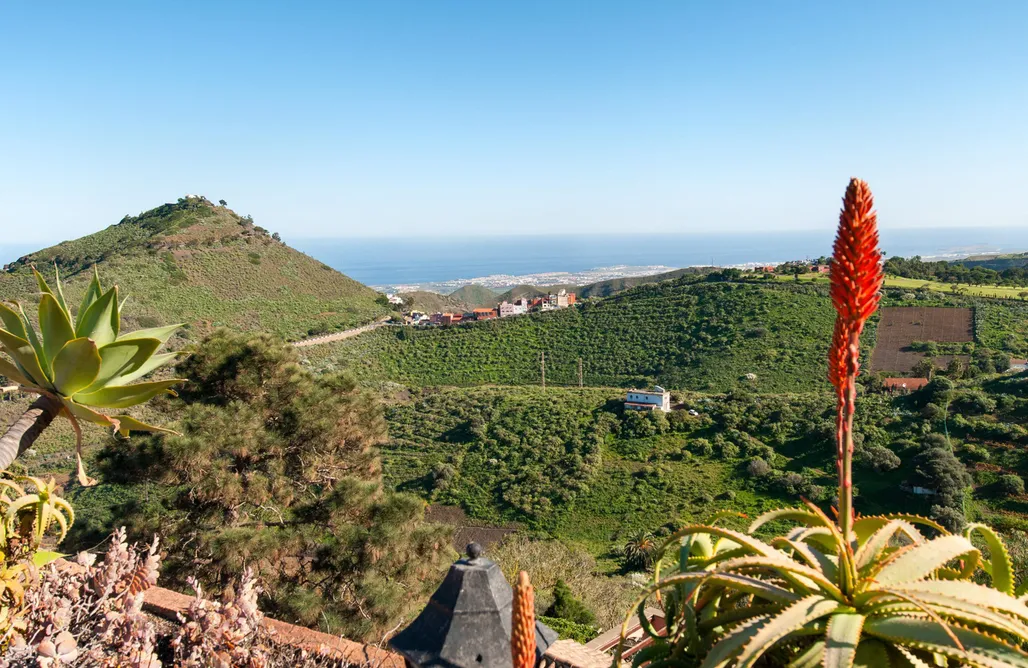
(433, 302)
(199, 263)
(615, 285)
(682, 334)
(475, 296)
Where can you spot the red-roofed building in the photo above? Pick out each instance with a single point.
(485, 313)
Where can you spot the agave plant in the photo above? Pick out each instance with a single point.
(895, 590)
(79, 365)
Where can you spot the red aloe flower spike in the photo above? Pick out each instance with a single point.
(856, 290)
(522, 636)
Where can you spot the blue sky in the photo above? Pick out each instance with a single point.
(445, 117)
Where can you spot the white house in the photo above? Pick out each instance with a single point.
(648, 400)
(519, 307)
(394, 299)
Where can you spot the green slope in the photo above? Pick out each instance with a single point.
(680, 333)
(475, 296)
(199, 263)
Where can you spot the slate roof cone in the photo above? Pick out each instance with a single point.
(467, 622)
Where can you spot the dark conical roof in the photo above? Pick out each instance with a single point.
(467, 621)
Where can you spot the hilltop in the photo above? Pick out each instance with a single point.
(433, 302)
(200, 263)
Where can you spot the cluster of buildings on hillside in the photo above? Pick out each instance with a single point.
(505, 309)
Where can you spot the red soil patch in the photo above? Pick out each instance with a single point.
(900, 326)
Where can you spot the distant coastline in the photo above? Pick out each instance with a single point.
(445, 264)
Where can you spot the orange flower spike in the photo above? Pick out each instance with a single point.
(856, 265)
(522, 633)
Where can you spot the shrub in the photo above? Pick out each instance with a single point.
(880, 459)
(758, 468)
(1010, 485)
(566, 606)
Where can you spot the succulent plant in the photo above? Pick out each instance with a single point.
(80, 365)
(895, 590)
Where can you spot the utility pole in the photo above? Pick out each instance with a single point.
(579, 373)
(542, 368)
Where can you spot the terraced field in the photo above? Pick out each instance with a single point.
(900, 326)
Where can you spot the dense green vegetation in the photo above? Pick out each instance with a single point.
(685, 333)
(276, 470)
(201, 264)
(1007, 272)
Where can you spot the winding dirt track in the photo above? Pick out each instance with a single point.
(339, 336)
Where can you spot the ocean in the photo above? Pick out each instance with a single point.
(446, 262)
(413, 261)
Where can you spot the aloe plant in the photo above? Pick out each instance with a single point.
(79, 365)
(895, 590)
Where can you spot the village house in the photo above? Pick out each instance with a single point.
(648, 400)
(519, 307)
(485, 313)
(820, 268)
(451, 318)
(904, 385)
(1018, 364)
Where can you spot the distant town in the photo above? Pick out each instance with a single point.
(550, 302)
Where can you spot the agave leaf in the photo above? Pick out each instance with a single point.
(76, 366)
(998, 566)
(152, 364)
(81, 412)
(784, 623)
(54, 325)
(873, 547)
(30, 333)
(13, 373)
(96, 321)
(22, 352)
(121, 358)
(93, 293)
(127, 423)
(12, 322)
(841, 639)
(967, 591)
(916, 562)
(161, 333)
(794, 514)
(979, 649)
(127, 395)
(45, 289)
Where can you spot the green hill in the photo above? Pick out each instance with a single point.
(475, 296)
(683, 333)
(195, 262)
(433, 302)
(615, 285)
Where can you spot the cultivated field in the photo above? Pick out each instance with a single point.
(900, 326)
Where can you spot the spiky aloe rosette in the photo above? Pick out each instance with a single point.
(80, 366)
(894, 590)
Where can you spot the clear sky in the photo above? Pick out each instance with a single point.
(443, 117)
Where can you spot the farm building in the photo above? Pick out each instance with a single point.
(1018, 364)
(648, 400)
(904, 385)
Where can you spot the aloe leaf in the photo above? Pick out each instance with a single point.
(810, 658)
(43, 557)
(127, 423)
(917, 562)
(812, 556)
(787, 569)
(121, 358)
(76, 366)
(54, 325)
(96, 321)
(871, 653)
(86, 414)
(12, 321)
(22, 352)
(784, 623)
(972, 614)
(30, 334)
(794, 514)
(126, 395)
(873, 547)
(721, 654)
(999, 566)
(979, 648)
(152, 364)
(968, 591)
(841, 639)
(93, 293)
(161, 333)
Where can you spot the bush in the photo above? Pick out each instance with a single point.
(702, 446)
(566, 606)
(758, 468)
(580, 633)
(880, 459)
(1010, 485)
